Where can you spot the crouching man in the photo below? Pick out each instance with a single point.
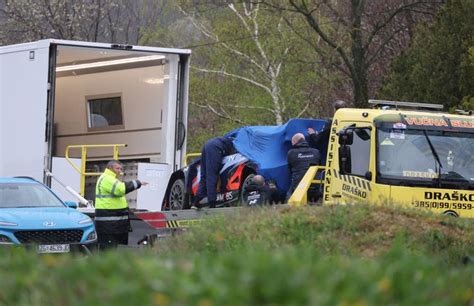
(258, 192)
(111, 207)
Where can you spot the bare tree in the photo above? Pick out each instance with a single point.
(260, 40)
(247, 14)
(119, 21)
(354, 35)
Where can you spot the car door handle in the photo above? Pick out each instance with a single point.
(336, 195)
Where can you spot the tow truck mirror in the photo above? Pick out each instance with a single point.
(346, 137)
(345, 164)
(363, 134)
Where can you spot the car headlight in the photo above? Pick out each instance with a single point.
(5, 240)
(5, 223)
(92, 236)
(85, 221)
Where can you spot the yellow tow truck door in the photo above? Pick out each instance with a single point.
(352, 171)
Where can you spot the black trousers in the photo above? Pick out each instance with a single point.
(108, 240)
(110, 233)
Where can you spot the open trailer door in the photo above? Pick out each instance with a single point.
(24, 88)
(115, 94)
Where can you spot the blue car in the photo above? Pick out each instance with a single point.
(32, 215)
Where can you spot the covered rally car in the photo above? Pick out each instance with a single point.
(261, 150)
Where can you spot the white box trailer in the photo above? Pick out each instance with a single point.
(55, 93)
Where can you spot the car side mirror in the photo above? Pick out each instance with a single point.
(71, 204)
(368, 175)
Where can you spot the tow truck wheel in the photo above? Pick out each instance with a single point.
(177, 195)
(246, 182)
(451, 213)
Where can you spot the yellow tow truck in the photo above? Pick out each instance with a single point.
(411, 154)
(403, 153)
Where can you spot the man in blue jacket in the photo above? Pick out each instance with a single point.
(213, 152)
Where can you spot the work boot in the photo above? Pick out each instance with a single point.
(196, 206)
(197, 203)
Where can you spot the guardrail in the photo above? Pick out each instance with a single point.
(300, 195)
(82, 170)
(190, 155)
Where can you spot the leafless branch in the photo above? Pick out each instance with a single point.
(305, 108)
(223, 72)
(209, 34)
(315, 25)
(250, 107)
(383, 45)
(215, 112)
(383, 23)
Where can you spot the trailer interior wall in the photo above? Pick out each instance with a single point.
(141, 110)
(23, 103)
(148, 108)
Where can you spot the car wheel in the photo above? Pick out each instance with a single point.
(246, 182)
(177, 195)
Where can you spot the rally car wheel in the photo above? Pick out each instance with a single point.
(177, 195)
(244, 185)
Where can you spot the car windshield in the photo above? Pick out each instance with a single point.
(418, 155)
(16, 195)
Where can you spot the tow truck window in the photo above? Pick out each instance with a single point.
(360, 152)
(408, 157)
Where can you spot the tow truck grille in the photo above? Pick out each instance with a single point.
(56, 236)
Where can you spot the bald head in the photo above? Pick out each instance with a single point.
(296, 138)
(259, 180)
(339, 104)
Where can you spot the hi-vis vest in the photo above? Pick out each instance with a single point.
(110, 192)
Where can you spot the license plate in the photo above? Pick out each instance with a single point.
(53, 248)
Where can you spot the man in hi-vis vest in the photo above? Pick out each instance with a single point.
(111, 207)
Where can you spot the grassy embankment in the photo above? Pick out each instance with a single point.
(314, 256)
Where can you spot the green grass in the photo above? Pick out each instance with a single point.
(360, 230)
(343, 256)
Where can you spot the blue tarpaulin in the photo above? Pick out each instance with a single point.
(268, 146)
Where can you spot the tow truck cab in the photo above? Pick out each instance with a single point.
(418, 158)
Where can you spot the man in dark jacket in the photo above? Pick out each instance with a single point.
(256, 193)
(260, 192)
(321, 139)
(300, 158)
(111, 207)
(213, 152)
